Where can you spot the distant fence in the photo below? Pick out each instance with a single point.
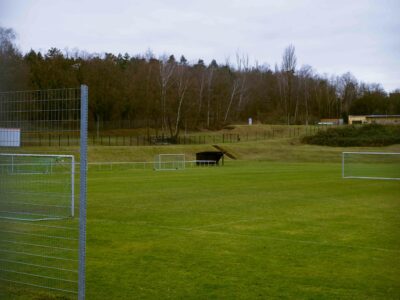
(145, 165)
(62, 140)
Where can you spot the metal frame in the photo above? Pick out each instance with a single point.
(366, 177)
(83, 193)
(157, 164)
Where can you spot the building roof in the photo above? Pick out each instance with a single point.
(383, 116)
(376, 116)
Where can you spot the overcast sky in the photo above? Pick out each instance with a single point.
(333, 36)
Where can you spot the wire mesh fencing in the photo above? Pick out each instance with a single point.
(37, 186)
(42, 194)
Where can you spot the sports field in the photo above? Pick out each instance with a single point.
(252, 229)
(243, 231)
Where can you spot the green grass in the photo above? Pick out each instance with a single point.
(278, 223)
(246, 231)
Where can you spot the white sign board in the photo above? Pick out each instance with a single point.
(10, 137)
(250, 121)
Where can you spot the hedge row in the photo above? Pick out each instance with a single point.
(365, 135)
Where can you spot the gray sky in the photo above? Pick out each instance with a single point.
(333, 36)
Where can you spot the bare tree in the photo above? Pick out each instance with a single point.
(7, 38)
(201, 74)
(347, 90)
(239, 86)
(210, 75)
(243, 70)
(201, 89)
(289, 60)
(282, 90)
(167, 67)
(305, 74)
(183, 82)
(13, 70)
(235, 87)
(286, 79)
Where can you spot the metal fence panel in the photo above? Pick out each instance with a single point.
(42, 193)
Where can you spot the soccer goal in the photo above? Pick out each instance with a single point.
(371, 165)
(45, 186)
(169, 162)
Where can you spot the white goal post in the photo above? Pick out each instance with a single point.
(169, 162)
(46, 186)
(371, 165)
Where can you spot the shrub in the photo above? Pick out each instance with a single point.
(365, 135)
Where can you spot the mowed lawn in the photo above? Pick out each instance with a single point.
(248, 230)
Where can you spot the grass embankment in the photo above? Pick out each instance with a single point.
(234, 129)
(272, 149)
(230, 133)
(278, 149)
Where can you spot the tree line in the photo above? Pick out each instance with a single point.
(171, 94)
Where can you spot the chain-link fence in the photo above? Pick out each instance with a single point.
(42, 194)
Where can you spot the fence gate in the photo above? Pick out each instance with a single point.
(43, 194)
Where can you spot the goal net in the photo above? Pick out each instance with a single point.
(371, 165)
(169, 162)
(45, 186)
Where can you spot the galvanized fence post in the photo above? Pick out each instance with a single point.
(83, 193)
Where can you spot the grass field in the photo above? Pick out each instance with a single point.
(245, 231)
(253, 229)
